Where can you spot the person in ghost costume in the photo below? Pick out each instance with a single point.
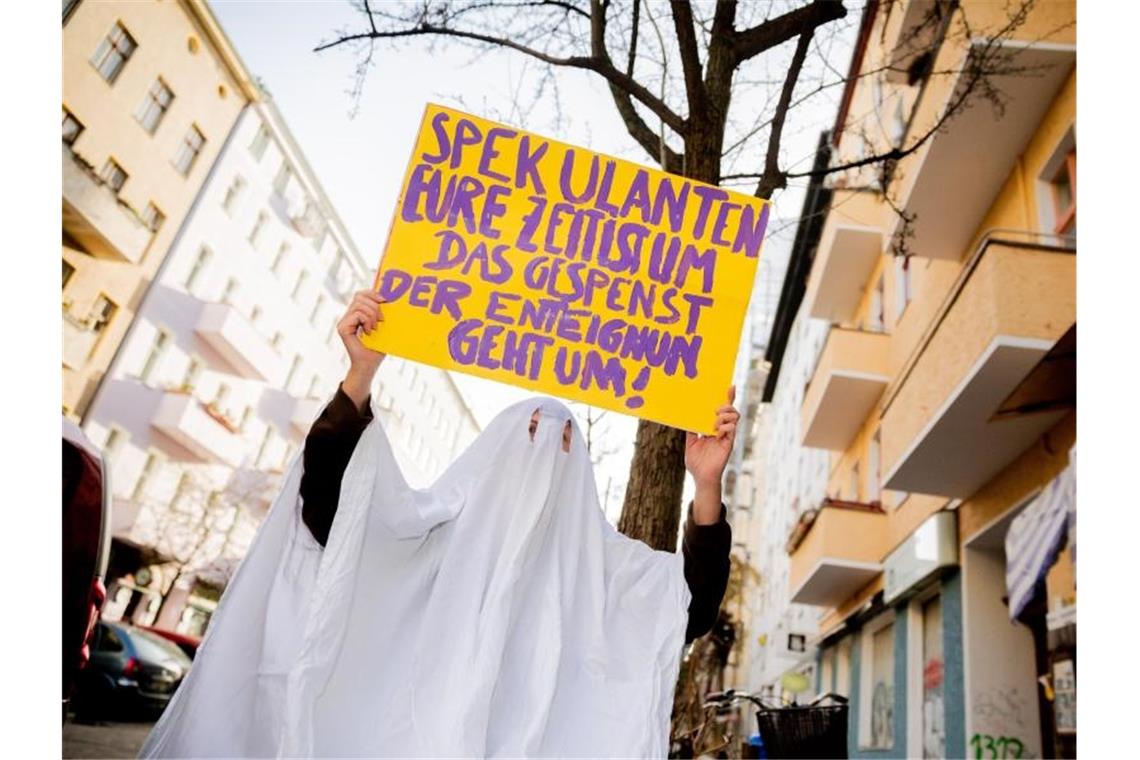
(495, 613)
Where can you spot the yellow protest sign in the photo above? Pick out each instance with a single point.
(544, 265)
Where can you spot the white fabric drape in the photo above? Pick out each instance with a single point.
(495, 613)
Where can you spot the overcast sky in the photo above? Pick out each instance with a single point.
(360, 160)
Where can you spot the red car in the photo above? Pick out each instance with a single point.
(86, 547)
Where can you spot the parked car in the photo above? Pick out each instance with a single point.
(187, 643)
(133, 673)
(86, 540)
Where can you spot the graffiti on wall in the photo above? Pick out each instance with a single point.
(933, 725)
(882, 715)
(989, 747)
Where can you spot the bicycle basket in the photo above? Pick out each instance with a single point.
(810, 731)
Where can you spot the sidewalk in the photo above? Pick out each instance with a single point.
(105, 739)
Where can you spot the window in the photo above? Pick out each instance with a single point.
(113, 53)
(266, 437)
(188, 152)
(113, 175)
(154, 106)
(903, 291)
(255, 314)
(232, 195)
(258, 226)
(281, 181)
(874, 487)
(292, 370)
(221, 395)
(302, 276)
(68, 271)
(229, 291)
(154, 355)
(200, 263)
(1063, 188)
(275, 341)
(152, 217)
(193, 373)
(319, 238)
(245, 415)
(875, 319)
(279, 259)
(102, 313)
(312, 391)
(853, 483)
(113, 441)
(145, 476)
(72, 128)
(260, 142)
(877, 729)
(317, 305)
(109, 641)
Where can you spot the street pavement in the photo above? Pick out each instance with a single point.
(104, 739)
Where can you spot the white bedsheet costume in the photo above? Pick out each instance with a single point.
(495, 613)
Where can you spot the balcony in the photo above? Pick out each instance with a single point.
(951, 183)
(93, 215)
(910, 33)
(239, 343)
(304, 412)
(849, 247)
(835, 551)
(188, 422)
(946, 427)
(848, 381)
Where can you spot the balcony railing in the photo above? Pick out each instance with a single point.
(94, 216)
(950, 184)
(835, 550)
(848, 380)
(234, 337)
(198, 428)
(941, 430)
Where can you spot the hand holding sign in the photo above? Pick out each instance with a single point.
(543, 265)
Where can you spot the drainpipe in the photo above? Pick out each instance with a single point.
(117, 359)
(1062, 244)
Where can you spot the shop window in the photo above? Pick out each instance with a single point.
(877, 687)
(72, 128)
(113, 53)
(933, 712)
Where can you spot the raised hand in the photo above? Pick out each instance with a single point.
(362, 316)
(706, 457)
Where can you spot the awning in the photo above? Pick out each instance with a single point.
(1037, 535)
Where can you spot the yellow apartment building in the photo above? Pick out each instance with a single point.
(941, 558)
(151, 91)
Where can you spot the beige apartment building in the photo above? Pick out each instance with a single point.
(151, 91)
(941, 558)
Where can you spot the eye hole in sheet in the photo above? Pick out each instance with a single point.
(566, 431)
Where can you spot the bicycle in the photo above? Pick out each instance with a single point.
(815, 730)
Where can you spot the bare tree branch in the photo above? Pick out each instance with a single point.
(603, 67)
(749, 43)
(772, 178)
(690, 57)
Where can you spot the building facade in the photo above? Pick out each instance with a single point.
(942, 395)
(151, 91)
(232, 355)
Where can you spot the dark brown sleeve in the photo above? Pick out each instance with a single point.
(706, 550)
(328, 447)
